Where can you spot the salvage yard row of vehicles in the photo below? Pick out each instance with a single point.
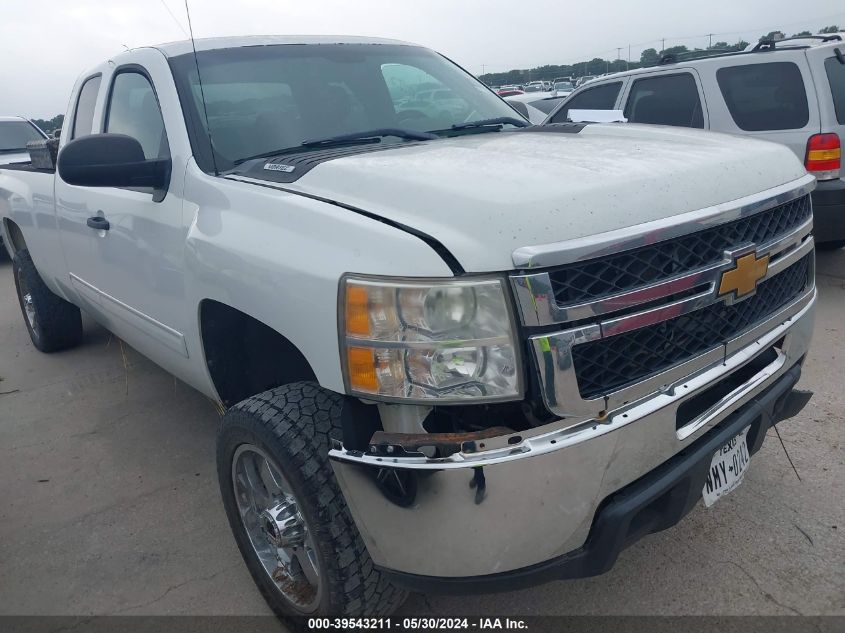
(433, 381)
(789, 91)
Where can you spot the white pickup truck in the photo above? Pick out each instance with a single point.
(458, 353)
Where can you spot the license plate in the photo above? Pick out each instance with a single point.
(726, 469)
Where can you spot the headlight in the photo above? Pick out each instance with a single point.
(433, 341)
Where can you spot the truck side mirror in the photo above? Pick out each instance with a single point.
(113, 160)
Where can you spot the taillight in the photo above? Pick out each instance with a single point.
(824, 156)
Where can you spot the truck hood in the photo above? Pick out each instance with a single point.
(483, 196)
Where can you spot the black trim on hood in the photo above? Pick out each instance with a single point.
(445, 254)
(552, 128)
(290, 166)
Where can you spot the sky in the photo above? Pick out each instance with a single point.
(46, 44)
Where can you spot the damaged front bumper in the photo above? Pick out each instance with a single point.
(562, 501)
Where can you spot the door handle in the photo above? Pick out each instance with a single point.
(98, 223)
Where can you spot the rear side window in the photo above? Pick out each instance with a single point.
(765, 96)
(665, 100)
(599, 98)
(836, 79)
(83, 120)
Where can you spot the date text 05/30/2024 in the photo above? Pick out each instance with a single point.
(412, 624)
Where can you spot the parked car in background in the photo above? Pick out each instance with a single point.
(563, 88)
(564, 79)
(15, 133)
(508, 93)
(438, 104)
(582, 80)
(791, 92)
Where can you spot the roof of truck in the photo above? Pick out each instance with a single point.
(172, 49)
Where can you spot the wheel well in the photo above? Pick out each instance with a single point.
(16, 240)
(245, 356)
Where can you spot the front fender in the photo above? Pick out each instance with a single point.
(278, 257)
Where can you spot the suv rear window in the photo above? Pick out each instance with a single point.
(836, 79)
(767, 96)
(599, 98)
(665, 100)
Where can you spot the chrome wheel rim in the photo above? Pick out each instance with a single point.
(277, 530)
(26, 302)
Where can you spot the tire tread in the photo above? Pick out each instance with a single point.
(59, 322)
(303, 418)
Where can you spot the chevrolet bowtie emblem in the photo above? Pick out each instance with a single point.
(743, 277)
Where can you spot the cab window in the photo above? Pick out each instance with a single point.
(83, 119)
(133, 110)
(599, 98)
(665, 100)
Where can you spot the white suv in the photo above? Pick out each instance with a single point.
(791, 92)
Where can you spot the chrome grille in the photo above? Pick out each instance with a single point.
(612, 363)
(615, 318)
(590, 280)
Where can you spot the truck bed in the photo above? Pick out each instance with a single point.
(25, 167)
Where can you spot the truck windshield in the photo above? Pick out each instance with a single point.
(14, 135)
(261, 99)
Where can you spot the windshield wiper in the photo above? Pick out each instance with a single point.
(497, 122)
(368, 136)
(372, 136)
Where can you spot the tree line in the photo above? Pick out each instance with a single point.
(595, 66)
(649, 57)
(50, 125)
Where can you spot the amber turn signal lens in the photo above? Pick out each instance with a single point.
(362, 369)
(357, 311)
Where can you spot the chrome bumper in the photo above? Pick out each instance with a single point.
(526, 498)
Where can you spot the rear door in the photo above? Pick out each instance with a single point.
(769, 96)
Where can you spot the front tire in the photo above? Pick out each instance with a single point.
(53, 323)
(287, 514)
